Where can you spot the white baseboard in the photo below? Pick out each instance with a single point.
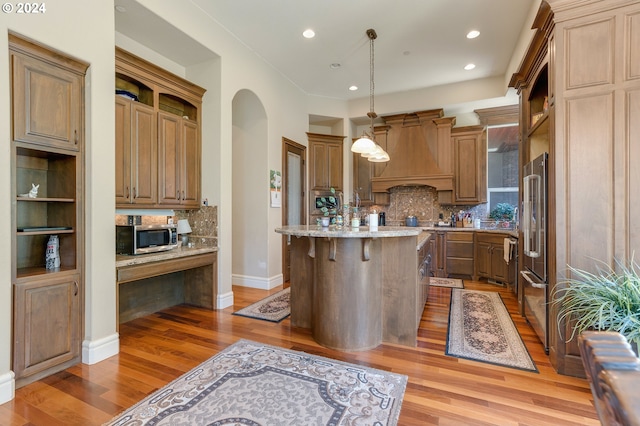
(257, 282)
(225, 300)
(7, 387)
(94, 351)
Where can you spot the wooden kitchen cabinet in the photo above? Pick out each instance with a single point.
(459, 254)
(179, 160)
(47, 97)
(47, 325)
(136, 153)
(470, 164)
(47, 303)
(489, 257)
(586, 59)
(158, 143)
(325, 162)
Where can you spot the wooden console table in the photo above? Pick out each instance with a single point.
(151, 282)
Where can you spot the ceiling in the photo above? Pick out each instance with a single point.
(420, 43)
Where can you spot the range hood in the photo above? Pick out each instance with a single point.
(421, 152)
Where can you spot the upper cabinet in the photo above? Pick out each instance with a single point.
(46, 99)
(325, 162)
(470, 164)
(158, 136)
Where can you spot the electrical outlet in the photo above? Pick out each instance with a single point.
(205, 201)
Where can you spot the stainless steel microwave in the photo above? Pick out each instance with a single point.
(143, 239)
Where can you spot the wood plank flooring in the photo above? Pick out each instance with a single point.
(442, 390)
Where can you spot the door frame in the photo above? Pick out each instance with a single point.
(291, 146)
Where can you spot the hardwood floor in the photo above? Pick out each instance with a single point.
(442, 390)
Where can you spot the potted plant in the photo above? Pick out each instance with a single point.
(328, 205)
(503, 212)
(607, 300)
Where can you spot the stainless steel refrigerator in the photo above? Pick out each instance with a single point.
(534, 230)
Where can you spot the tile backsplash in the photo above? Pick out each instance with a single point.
(422, 202)
(204, 223)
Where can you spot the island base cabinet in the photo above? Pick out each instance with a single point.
(348, 293)
(47, 329)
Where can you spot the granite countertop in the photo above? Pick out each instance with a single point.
(347, 232)
(123, 260)
(427, 231)
(510, 232)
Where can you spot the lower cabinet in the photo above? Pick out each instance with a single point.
(47, 326)
(489, 254)
(459, 254)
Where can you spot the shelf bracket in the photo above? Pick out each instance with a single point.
(312, 247)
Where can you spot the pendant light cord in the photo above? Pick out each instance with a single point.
(371, 33)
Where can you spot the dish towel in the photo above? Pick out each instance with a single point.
(507, 250)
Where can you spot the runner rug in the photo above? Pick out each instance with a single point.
(481, 329)
(446, 282)
(272, 308)
(251, 383)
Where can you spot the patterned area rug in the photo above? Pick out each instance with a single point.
(272, 308)
(446, 282)
(481, 329)
(255, 384)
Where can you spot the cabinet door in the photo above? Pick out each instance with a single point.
(320, 176)
(483, 259)
(144, 159)
(168, 159)
(123, 151)
(470, 154)
(362, 174)
(47, 329)
(47, 103)
(499, 269)
(190, 163)
(334, 164)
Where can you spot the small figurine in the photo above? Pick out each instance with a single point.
(33, 193)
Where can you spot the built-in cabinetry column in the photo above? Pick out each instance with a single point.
(47, 198)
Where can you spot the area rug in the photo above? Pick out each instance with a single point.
(446, 282)
(251, 383)
(481, 329)
(272, 308)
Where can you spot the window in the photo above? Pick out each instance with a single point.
(503, 174)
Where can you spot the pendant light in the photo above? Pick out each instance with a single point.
(366, 145)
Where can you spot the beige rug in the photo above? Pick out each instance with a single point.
(446, 282)
(481, 329)
(251, 383)
(274, 308)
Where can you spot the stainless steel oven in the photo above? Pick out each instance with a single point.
(534, 230)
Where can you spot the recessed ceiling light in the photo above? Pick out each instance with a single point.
(335, 65)
(309, 33)
(121, 9)
(469, 66)
(473, 34)
(353, 88)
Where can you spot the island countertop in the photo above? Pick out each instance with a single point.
(348, 232)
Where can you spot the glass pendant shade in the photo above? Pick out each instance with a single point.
(363, 145)
(379, 157)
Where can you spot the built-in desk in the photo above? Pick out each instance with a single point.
(150, 282)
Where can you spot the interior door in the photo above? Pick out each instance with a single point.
(293, 196)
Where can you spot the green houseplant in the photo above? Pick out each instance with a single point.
(607, 300)
(502, 211)
(328, 205)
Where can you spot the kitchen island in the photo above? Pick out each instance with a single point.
(355, 288)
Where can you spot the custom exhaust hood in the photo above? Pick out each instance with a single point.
(421, 152)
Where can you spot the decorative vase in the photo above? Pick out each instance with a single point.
(52, 254)
(325, 221)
